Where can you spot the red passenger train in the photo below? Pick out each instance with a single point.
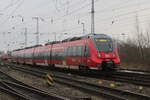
(93, 51)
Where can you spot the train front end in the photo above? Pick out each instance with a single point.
(107, 53)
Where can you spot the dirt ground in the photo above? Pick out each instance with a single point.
(114, 84)
(71, 92)
(41, 84)
(4, 96)
(141, 67)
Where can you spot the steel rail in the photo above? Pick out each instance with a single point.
(25, 91)
(133, 78)
(88, 86)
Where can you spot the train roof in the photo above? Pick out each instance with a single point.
(80, 38)
(91, 36)
(27, 47)
(96, 36)
(53, 42)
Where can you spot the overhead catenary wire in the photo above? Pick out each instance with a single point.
(97, 12)
(12, 3)
(117, 19)
(16, 8)
(128, 12)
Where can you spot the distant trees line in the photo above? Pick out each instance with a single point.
(137, 50)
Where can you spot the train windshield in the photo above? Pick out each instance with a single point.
(104, 45)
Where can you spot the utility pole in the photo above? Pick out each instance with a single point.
(83, 28)
(92, 18)
(25, 34)
(37, 29)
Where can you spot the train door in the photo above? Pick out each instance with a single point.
(84, 57)
(34, 56)
(45, 55)
(51, 57)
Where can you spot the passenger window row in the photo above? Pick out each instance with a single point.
(70, 51)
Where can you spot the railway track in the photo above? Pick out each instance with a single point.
(23, 91)
(137, 78)
(94, 89)
(135, 70)
(121, 76)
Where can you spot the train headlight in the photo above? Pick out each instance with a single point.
(113, 55)
(99, 55)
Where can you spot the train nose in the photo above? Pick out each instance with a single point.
(107, 55)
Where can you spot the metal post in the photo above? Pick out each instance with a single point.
(25, 37)
(92, 18)
(83, 28)
(37, 29)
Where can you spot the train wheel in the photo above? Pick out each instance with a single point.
(34, 64)
(84, 68)
(51, 66)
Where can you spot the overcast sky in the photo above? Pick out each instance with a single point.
(112, 17)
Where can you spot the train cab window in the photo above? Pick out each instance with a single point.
(104, 45)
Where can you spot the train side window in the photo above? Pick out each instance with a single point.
(42, 55)
(69, 51)
(73, 51)
(65, 51)
(61, 55)
(76, 51)
(38, 55)
(57, 55)
(64, 55)
(87, 52)
(53, 55)
(82, 51)
(47, 55)
(79, 51)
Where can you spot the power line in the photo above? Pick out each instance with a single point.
(37, 29)
(125, 14)
(75, 11)
(8, 6)
(17, 7)
(92, 18)
(120, 8)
